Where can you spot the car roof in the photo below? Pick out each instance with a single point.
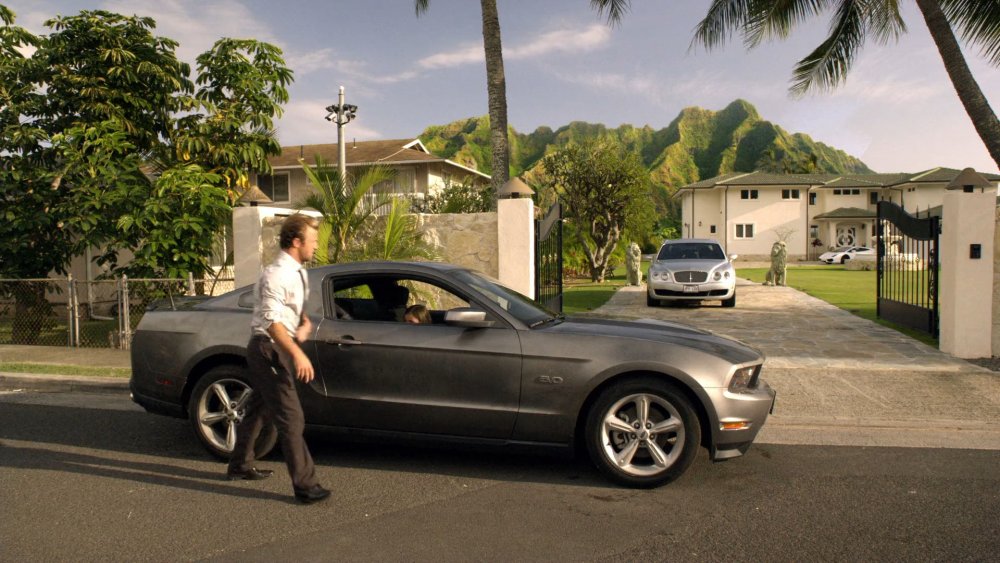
(693, 240)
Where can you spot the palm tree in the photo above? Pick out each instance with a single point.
(855, 21)
(400, 239)
(344, 206)
(496, 89)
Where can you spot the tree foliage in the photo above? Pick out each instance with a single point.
(108, 143)
(607, 192)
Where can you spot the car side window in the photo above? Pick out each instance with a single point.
(387, 298)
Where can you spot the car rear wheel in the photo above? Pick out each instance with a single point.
(217, 405)
(731, 302)
(642, 433)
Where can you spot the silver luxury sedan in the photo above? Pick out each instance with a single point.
(691, 270)
(491, 367)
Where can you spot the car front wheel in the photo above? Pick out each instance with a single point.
(731, 302)
(217, 405)
(642, 433)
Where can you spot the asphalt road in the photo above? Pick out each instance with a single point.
(87, 477)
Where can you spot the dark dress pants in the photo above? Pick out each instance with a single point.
(274, 399)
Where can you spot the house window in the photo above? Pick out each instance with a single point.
(274, 186)
(744, 230)
(836, 192)
(748, 194)
(812, 199)
(855, 192)
(711, 229)
(789, 194)
(873, 197)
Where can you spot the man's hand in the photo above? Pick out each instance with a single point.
(304, 330)
(303, 368)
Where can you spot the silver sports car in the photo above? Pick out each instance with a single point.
(691, 270)
(492, 367)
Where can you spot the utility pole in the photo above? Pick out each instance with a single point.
(341, 114)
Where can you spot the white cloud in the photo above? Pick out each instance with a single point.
(561, 41)
(565, 40)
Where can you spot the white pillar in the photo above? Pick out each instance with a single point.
(966, 283)
(247, 244)
(516, 242)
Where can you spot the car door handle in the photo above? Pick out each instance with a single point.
(345, 341)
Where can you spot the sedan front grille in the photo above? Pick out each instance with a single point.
(691, 277)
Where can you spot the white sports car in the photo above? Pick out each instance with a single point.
(691, 270)
(844, 253)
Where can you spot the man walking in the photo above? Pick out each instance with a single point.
(275, 360)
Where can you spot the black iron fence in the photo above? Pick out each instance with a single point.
(907, 263)
(87, 314)
(549, 259)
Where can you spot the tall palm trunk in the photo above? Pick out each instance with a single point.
(496, 88)
(976, 104)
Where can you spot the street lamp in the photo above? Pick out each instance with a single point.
(341, 114)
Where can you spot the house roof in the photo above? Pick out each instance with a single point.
(360, 153)
(846, 213)
(934, 175)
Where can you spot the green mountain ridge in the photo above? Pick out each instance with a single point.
(698, 144)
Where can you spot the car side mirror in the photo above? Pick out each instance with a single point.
(467, 317)
(733, 257)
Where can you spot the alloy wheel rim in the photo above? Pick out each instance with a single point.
(642, 434)
(221, 407)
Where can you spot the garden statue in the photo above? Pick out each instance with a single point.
(633, 263)
(776, 275)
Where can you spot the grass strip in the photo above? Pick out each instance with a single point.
(59, 369)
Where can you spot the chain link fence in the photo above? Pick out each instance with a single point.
(88, 314)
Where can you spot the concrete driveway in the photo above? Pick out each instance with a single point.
(841, 379)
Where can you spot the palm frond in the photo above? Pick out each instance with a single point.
(421, 6)
(723, 18)
(885, 22)
(776, 18)
(828, 64)
(616, 9)
(978, 23)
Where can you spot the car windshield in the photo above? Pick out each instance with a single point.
(691, 251)
(843, 249)
(524, 309)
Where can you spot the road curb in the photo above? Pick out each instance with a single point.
(56, 383)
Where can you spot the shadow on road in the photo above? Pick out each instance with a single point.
(139, 433)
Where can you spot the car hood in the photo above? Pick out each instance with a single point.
(667, 332)
(684, 265)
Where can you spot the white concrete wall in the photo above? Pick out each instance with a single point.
(966, 290)
(255, 239)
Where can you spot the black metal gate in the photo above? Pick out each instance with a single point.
(907, 287)
(549, 259)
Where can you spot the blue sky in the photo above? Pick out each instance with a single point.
(897, 112)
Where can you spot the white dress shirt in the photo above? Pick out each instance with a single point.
(280, 295)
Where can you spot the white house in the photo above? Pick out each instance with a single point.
(748, 211)
(418, 172)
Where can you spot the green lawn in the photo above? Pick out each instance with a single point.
(582, 295)
(851, 290)
(59, 369)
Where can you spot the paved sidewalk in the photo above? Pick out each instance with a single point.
(841, 379)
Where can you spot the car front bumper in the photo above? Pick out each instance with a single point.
(671, 290)
(740, 418)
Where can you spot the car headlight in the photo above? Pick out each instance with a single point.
(661, 275)
(744, 379)
(717, 276)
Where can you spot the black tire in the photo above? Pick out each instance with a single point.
(650, 302)
(214, 420)
(844, 259)
(731, 302)
(677, 443)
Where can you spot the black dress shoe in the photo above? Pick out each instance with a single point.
(313, 494)
(252, 474)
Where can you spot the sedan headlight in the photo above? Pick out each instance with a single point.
(744, 379)
(662, 275)
(717, 276)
